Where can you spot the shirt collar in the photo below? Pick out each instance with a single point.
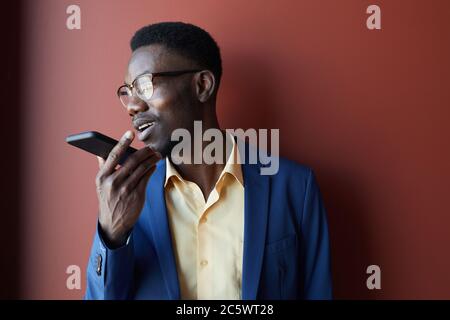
(232, 166)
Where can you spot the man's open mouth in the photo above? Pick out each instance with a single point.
(144, 126)
(144, 130)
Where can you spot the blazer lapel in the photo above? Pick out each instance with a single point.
(160, 230)
(255, 223)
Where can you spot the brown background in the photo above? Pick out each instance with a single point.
(367, 110)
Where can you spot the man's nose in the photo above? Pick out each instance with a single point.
(136, 105)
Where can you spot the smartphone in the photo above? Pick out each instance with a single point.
(98, 144)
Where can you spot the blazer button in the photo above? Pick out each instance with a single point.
(99, 265)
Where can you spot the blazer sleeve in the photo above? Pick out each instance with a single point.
(109, 271)
(315, 246)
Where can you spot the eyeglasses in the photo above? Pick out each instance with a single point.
(143, 85)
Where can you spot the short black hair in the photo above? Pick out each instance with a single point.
(186, 39)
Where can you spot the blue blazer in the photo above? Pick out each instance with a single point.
(286, 245)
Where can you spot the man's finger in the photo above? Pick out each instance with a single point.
(140, 170)
(117, 152)
(101, 162)
(133, 162)
(142, 184)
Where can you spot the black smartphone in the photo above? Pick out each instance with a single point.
(98, 144)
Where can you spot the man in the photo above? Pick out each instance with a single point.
(198, 231)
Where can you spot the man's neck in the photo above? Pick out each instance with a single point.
(204, 175)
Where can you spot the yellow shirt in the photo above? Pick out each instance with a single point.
(208, 236)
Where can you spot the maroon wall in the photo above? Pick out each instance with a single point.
(367, 110)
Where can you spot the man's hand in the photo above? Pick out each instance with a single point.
(121, 192)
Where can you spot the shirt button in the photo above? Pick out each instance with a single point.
(204, 263)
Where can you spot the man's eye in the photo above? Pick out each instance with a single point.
(145, 86)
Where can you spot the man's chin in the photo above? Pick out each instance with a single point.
(162, 148)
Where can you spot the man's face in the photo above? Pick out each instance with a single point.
(173, 104)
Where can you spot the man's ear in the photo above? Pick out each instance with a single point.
(205, 84)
